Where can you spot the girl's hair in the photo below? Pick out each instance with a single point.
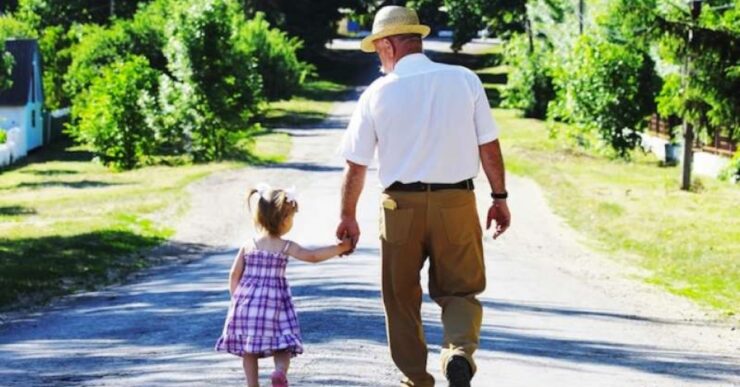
(272, 210)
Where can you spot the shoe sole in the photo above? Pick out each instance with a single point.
(458, 372)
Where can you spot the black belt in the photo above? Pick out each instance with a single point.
(421, 187)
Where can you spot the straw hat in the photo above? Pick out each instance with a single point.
(393, 20)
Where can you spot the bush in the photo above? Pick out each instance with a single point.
(3, 137)
(54, 45)
(98, 46)
(606, 87)
(529, 86)
(215, 88)
(109, 114)
(732, 171)
(282, 73)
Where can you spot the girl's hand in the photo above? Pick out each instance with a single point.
(345, 245)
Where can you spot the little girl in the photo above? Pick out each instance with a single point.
(262, 321)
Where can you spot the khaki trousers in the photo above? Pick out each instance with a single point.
(444, 227)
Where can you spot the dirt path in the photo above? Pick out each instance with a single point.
(556, 314)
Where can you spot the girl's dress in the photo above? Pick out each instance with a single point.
(262, 318)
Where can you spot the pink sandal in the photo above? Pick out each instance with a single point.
(279, 379)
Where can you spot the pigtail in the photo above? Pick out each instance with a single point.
(249, 198)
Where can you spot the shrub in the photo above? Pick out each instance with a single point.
(732, 171)
(98, 46)
(606, 87)
(215, 88)
(3, 137)
(54, 45)
(529, 86)
(282, 73)
(109, 113)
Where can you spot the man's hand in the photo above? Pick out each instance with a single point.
(499, 212)
(348, 228)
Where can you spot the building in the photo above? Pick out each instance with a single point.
(21, 105)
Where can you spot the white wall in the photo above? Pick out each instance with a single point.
(11, 116)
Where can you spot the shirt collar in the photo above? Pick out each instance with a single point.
(411, 62)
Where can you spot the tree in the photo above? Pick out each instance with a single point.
(705, 44)
(606, 87)
(214, 84)
(276, 56)
(65, 13)
(110, 115)
(530, 85)
(10, 27)
(8, 6)
(314, 22)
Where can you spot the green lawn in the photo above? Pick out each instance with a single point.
(68, 223)
(689, 242)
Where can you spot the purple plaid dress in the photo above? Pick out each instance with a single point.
(262, 318)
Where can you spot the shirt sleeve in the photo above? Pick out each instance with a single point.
(360, 139)
(485, 127)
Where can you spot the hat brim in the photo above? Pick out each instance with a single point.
(367, 45)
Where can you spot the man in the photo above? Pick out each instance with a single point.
(432, 127)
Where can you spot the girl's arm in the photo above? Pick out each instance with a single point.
(237, 269)
(320, 253)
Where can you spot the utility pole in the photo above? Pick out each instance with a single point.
(112, 9)
(688, 129)
(581, 16)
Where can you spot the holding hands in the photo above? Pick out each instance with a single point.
(348, 230)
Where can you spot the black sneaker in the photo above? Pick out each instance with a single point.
(459, 372)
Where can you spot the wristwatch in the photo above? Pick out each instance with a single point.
(500, 196)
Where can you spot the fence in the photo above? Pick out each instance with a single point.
(719, 144)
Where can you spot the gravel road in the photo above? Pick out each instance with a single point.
(556, 313)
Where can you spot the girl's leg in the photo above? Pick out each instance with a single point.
(251, 370)
(282, 361)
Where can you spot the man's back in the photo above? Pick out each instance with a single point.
(427, 119)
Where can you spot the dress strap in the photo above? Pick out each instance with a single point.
(285, 248)
(254, 242)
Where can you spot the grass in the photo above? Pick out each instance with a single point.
(310, 107)
(689, 242)
(68, 223)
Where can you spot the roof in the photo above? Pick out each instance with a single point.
(23, 51)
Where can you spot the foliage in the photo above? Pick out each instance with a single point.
(98, 46)
(214, 89)
(529, 86)
(732, 171)
(65, 13)
(709, 100)
(6, 67)
(10, 27)
(314, 22)
(109, 114)
(607, 87)
(54, 44)
(276, 56)
(3, 137)
(8, 6)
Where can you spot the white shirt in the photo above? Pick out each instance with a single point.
(426, 120)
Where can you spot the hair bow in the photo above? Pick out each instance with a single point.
(263, 189)
(290, 195)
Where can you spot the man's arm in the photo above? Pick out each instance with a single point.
(354, 181)
(493, 166)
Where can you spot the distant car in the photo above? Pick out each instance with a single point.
(444, 33)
